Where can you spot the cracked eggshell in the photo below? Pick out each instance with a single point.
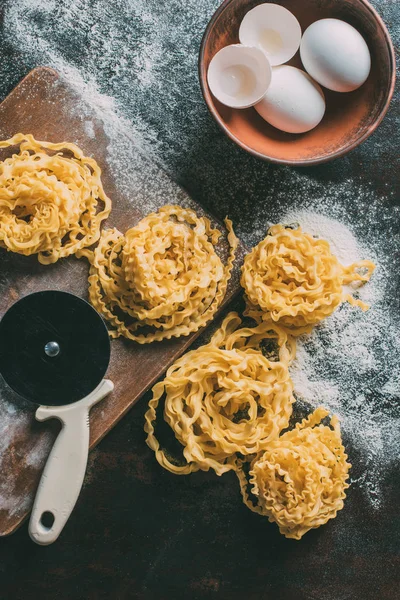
(273, 29)
(239, 76)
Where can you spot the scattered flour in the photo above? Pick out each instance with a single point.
(342, 242)
(121, 47)
(36, 24)
(351, 362)
(132, 154)
(14, 427)
(89, 129)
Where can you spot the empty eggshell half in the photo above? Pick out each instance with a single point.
(239, 76)
(273, 29)
(294, 102)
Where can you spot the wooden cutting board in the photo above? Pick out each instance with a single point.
(50, 109)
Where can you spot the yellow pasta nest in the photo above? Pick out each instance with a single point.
(294, 279)
(163, 278)
(52, 200)
(224, 398)
(299, 480)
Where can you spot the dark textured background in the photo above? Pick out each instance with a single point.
(137, 531)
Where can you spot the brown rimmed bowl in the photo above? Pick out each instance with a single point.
(349, 119)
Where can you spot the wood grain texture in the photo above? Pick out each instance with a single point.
(44, 106)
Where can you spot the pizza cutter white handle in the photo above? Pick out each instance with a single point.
(65, 469)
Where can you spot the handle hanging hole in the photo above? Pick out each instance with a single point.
(47, 520)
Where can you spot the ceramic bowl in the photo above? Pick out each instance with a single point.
(350, 117)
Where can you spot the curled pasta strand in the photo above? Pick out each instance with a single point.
(163, 278)
(223, 399)
(357, 272)
(52, 201)
(293, 279)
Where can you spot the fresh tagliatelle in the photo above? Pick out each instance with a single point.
(163, 278)
(223, 399)
(299, 480)
(293, 279)
(52, 201)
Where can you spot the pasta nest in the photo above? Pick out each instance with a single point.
(163, 278)
(224, 398)
(52, 201)
(294, 279)
(299, 480)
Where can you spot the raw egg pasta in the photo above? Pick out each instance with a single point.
(224, 398)
(299, 480)
(163, 278)
(52, 201)
(227, 403)
(293, 278)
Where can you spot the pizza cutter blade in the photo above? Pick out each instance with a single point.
(55, 351)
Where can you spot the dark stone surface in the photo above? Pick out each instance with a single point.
(139, 532)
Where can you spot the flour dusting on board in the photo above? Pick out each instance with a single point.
(14, 425)
(129, 145)
(125, 47)
(34, 25)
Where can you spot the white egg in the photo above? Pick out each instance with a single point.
(335, 55)
(273, 29)
(239, 76)
(294, 102)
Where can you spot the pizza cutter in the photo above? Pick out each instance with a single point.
(54, 351)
